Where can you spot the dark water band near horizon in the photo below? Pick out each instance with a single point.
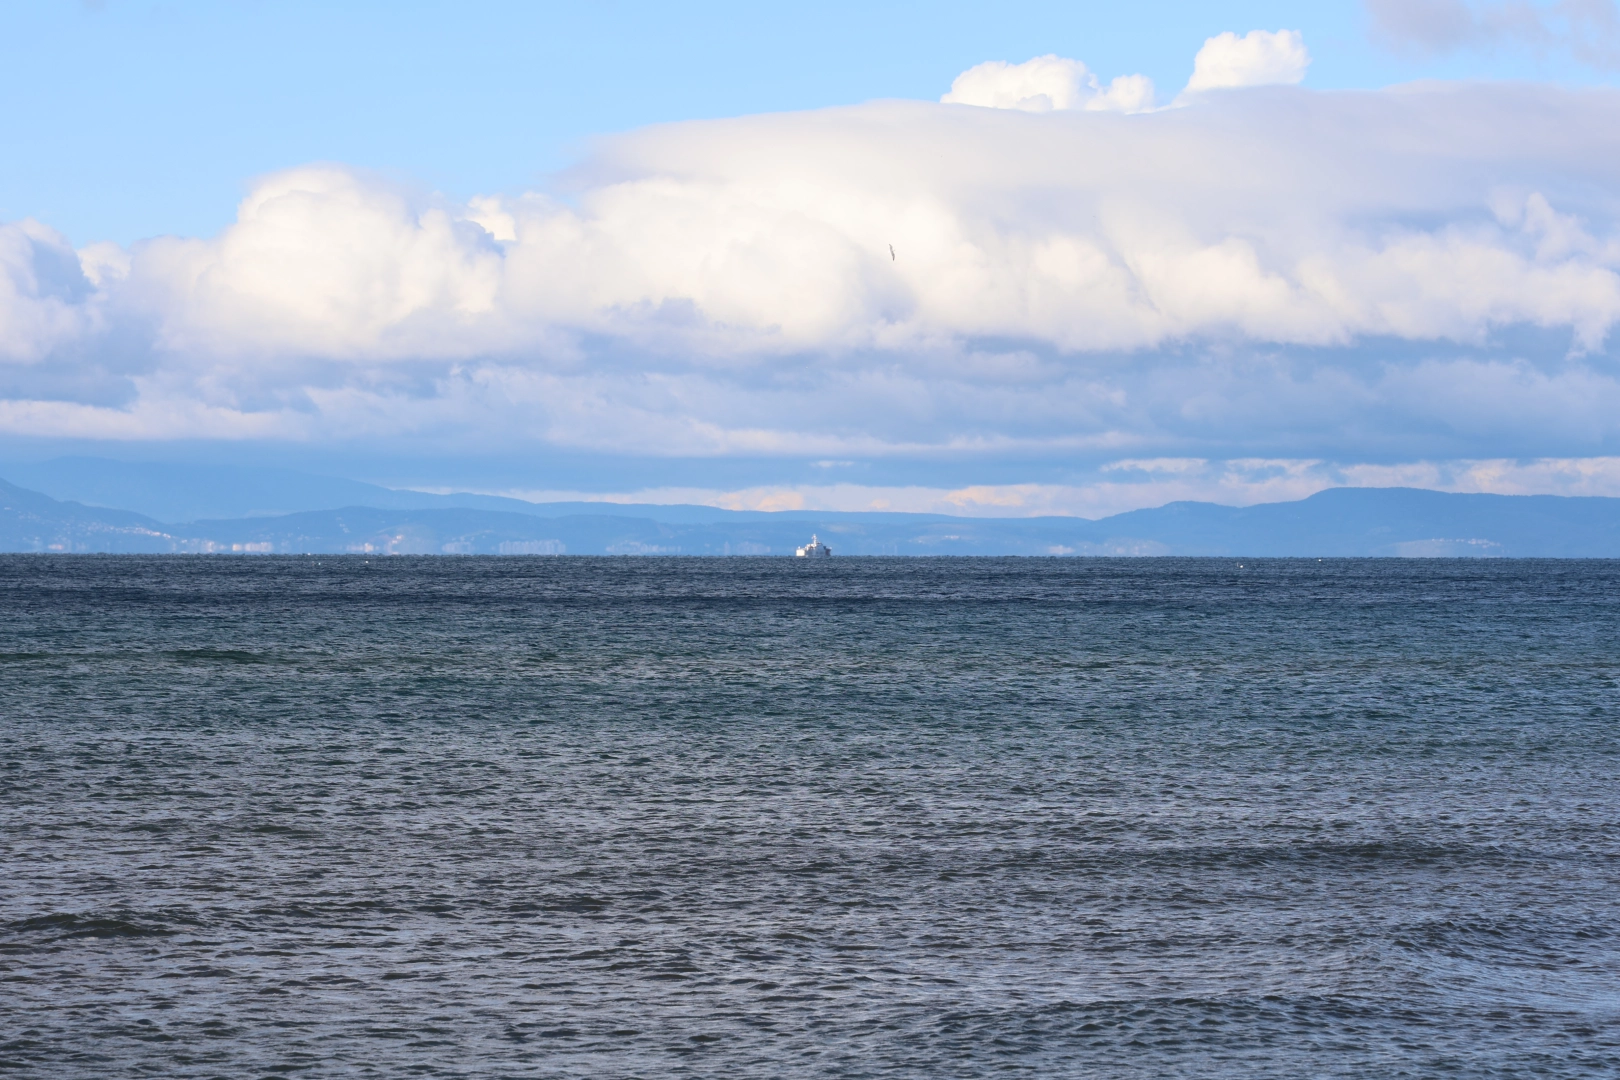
(569, 817)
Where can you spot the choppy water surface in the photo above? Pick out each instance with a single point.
(753, 817)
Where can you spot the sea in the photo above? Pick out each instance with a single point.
(854, 817)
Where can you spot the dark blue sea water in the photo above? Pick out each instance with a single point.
(776, 818)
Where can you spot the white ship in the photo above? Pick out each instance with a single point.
(815, 549)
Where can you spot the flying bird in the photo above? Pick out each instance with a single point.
(891, 253)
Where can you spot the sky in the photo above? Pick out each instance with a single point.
(1073, 258)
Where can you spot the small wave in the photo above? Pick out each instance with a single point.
(62, 925)
(217, 656)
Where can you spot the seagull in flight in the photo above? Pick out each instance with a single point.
(891, 253)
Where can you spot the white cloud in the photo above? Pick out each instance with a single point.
(1426, 273)
(1039, 85)
(325, 261)
(1316, 225)
(1586, 30)
(45, 299)
(1046, 84)
(1258, 58)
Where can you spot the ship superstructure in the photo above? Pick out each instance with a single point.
(815, 549)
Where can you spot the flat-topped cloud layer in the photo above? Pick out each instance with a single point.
(1424, 273)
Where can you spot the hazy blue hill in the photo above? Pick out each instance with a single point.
(30, 521)
(188, 492)
(1386, 521)
(1341, 522)
(195, 492)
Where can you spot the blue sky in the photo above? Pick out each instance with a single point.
(629, 250)
(129, 118)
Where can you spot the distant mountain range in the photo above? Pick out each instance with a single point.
(1340, 522)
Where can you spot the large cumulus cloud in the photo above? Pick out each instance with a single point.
(1269, 216)
(1424, 271)
(46, 299)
